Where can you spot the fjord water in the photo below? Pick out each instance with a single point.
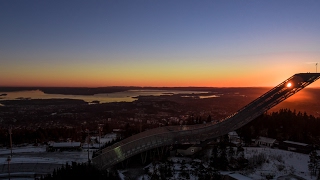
(124, 96)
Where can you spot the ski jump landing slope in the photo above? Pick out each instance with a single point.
(168, 135)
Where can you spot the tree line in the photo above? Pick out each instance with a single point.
(282, 125)
(40, 135)
(80, 171)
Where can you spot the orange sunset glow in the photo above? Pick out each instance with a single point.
(138, 47)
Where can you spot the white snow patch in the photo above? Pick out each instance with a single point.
(279, 163)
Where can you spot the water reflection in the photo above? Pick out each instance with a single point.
(200, 96)
(125, 96)
(211, 96)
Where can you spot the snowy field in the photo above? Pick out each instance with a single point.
(36, 158)
(281, 164)
(32, 154)
(38, 154)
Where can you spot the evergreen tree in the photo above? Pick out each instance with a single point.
(313, 163)
(231, 152)
(78, 171)
(183, 172)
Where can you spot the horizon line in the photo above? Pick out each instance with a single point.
(138, 87)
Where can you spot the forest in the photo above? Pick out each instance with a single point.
(79, 171)
(282, 125)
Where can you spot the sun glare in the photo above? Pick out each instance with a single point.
(289, 85)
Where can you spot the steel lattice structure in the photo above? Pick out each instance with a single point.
(169, 135)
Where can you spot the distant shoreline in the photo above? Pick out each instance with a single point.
(106, 90)
(43, 102)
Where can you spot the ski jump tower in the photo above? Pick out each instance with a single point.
(165, 136)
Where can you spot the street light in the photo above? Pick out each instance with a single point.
(100, 129)
(9, 159)
(88, 145)
(10, 133)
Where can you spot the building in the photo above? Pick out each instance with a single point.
(234, 138)
(264, 141)
(296, 147)
(64, 146)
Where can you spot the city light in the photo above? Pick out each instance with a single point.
(289, 85)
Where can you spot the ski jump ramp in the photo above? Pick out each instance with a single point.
(164, 136)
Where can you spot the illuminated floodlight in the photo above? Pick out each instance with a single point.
(289, 85)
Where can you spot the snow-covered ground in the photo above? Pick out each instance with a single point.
(35, 158)
(38, 154)
(280, 163)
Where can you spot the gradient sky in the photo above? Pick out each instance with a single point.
(157, 42)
